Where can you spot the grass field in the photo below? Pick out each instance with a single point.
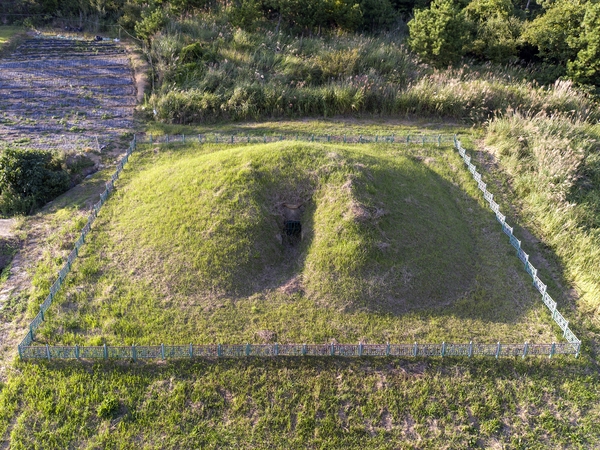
(258, 403)
(396, 246)
(316, 404)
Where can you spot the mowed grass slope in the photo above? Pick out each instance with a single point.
(314, 403)
(396, 245)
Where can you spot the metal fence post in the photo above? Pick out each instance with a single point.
(31, 332)
(387, 349)
(443, 349)
(276, 349)
(578, 349)
(167, 137)
(183, 138)
(20, 352)
(247, 349)
(303, 349)
(332, 349)
(76, 351)
(470, 349)
(42, 312)
(162, 351)
(48, 351)
(360, 349)
(552, 350)
(105, 351)
(415, 349)
(133, 353)
(219, 351)
(498, 350)
(525, 349)
(191, 350)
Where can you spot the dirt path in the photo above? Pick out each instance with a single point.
(73, 96)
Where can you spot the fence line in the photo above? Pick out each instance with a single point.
(143, 352)
(216, 138)
(28, 351)
(524, 257)
(64, 271)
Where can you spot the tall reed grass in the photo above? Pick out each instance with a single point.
(242, 75)
(554, 160)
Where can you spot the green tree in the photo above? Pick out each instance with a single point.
(556, 32)
(586, 66)
(439, 34)
(494, 30)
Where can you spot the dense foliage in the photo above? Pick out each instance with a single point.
(561, 37)
(28, 179)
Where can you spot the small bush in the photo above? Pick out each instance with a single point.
(28, 179)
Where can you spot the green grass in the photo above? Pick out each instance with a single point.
(288, 403)
(9, 37)
(7, 32)
(319, 127)
(397, 246)
(294, 403)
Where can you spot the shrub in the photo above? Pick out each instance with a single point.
(438, 34)
(28, 179)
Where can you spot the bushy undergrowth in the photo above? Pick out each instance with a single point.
(28, 179)
(555, 165)
(208, 71)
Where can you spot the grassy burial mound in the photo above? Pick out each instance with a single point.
(296, 242)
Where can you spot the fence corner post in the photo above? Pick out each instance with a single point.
(552, 350)
(525, 349)
(105, 351)
(20, 351)
(498, 349)
(162, 351)
(578, 349)
(48, 351)
(470, 349)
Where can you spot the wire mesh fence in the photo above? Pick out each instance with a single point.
(216, 138)
(524, 257)
(416, 350)
(134, 352)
